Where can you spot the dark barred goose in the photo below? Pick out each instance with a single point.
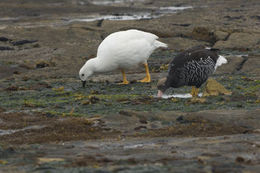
(192, 68)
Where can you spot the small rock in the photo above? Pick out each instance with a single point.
(60, 89)
(12, 88)
(25, 78)
(142, 119)
(85, 102)
(16, 72)
(240, 159)
(174, 100)
(42, 64)
(29, 104)
(182, 120)
(128, 113)
(164, 67)
(3, 162)
(48, 160)
(197, 100)
(256, 131)
(236, 96)
(36, 45)
(94, 92)
(93, 99)
(27, 65)
(2, 109)
(203, 159)
(140, 127)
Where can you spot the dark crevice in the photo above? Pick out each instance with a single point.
(4, 39)
(182, 24)
(240, 66)
(184, 36)
(100, 22)
(6, 48)
(227, 37)
(22, 42)
(156, 32)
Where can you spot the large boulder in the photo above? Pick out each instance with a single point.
(240, 41)
(181, 44)
(252, 65)
(221, 35)
(204, 34)
(232, 66)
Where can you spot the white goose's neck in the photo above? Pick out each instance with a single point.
(97, 65)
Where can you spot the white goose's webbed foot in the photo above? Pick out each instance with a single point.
(147, 78)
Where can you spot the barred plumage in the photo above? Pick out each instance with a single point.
(191, 67)
(197, 72)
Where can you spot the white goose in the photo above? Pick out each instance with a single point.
(122, 50)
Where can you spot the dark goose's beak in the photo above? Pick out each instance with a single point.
(160, 93)
(83, 84)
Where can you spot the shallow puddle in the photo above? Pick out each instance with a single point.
(12, 131)
(183, 96)
(115, 17)
(134, 16)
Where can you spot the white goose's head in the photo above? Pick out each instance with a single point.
(86, 71)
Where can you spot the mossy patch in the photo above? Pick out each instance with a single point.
(60, 97)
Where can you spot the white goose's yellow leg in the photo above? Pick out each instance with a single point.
(147, 77)
(125, 81)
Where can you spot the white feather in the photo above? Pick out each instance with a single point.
(160, 44)
(221, 60)
(123, 50)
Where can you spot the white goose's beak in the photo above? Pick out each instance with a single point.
(160, 93)
(83, 84)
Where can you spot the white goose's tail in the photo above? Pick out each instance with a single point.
(158, 44)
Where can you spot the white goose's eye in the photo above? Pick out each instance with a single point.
(82, 74)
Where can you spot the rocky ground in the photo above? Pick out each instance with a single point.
(49, 123)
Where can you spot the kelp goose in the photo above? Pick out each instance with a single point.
(192, 68)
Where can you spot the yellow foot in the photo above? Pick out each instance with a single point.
(197, 100)
(145, 80)
(194, 91)
(124, 83)
(147, 77)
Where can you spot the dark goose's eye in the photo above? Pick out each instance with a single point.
(82, 74)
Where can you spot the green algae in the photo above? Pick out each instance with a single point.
(107, 98)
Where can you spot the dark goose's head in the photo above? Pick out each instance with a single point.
(162, 86)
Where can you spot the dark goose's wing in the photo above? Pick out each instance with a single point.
(192, 67)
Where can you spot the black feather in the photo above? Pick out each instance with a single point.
(191, 67)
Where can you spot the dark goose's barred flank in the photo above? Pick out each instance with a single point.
(192, 68)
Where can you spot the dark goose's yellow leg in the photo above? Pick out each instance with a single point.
(125, 81)
(195, 98)
(194, 91)
(147, 77)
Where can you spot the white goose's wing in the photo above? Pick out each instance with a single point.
(123, 41)
(128, 47)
